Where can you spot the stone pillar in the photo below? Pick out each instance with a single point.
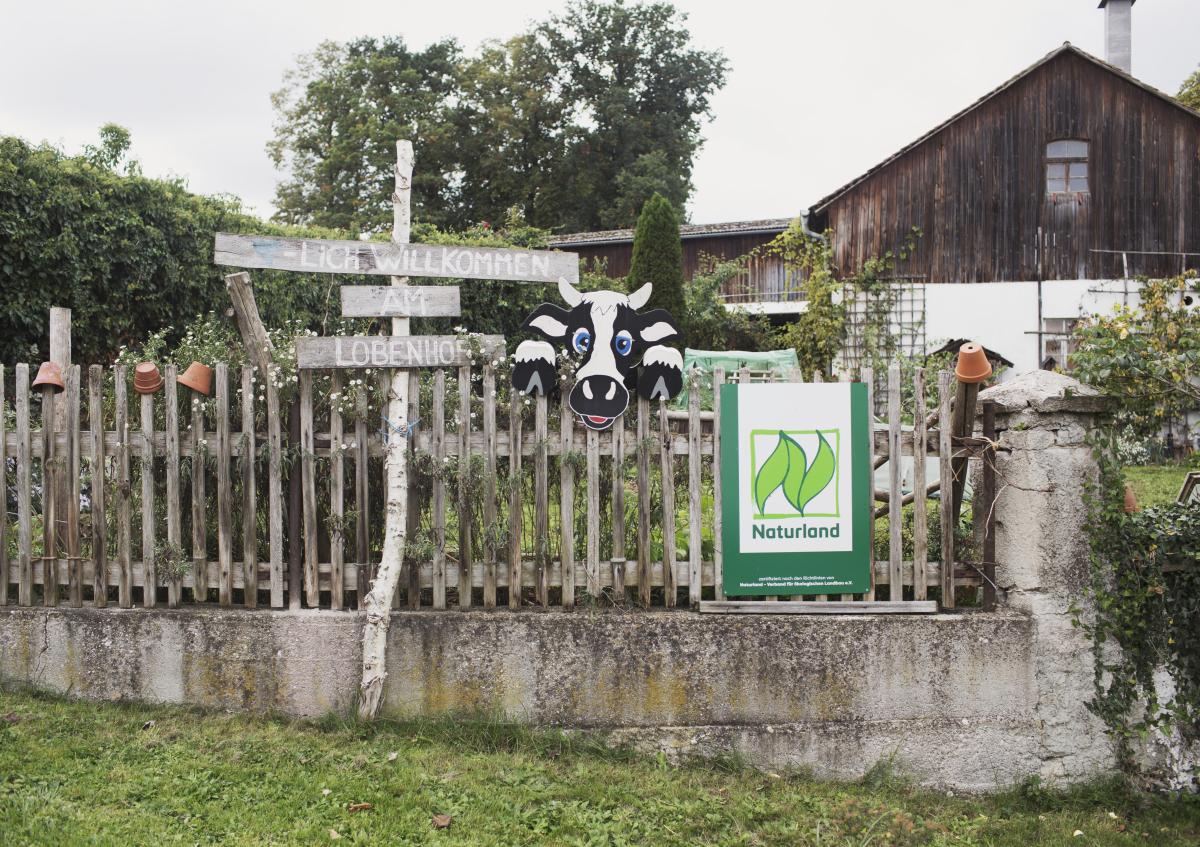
(1043, 465)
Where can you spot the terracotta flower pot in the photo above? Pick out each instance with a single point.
(973, 365)
(1131, 503)
(146, 378)
(49, 374)
(197, 377)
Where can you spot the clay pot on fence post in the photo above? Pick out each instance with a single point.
(197, 377)
(146, 378)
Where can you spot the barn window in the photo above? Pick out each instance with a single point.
(1066, 167)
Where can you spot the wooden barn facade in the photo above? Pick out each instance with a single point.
(765, 280)
(1071, 170)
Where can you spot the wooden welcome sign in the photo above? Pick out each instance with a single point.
(391, 259)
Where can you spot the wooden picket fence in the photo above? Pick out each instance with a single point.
(563, 514)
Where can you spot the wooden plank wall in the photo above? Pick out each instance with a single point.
(547, 520)
(977, 189)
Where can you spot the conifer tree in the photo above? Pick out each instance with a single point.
(658, 257)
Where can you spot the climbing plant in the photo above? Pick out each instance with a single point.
(1144, 615)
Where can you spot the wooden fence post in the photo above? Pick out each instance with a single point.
(72, 490)
(174, 529)
(50, 478)
(566, 477)
(946, 499)
(98, 493)
(465, 518)
(249, 491)
(124, 492)
(224, 488)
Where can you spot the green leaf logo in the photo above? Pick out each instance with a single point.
(787, 468)
(818, 476)
(771, 474)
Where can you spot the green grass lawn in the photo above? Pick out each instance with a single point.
(82, 773)
(1156, 485)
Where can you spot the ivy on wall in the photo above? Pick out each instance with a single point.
(1145, 594)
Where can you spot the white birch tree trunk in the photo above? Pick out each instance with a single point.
(378, 604)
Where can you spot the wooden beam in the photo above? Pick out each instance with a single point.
(447, 261)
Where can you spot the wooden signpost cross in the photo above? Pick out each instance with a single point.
(396, 353)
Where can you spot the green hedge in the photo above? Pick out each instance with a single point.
(128, 254)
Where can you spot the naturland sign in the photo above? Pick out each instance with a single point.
(796, 488)
(390, 259)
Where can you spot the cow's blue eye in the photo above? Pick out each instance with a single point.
(623, 343)
(582, 340)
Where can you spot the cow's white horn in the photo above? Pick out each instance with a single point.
(568, 292)
(640, 297)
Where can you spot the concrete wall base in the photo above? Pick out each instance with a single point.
(951, 700)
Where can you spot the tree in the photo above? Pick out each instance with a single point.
(337, 120)
(1189, 92)
(1146, 356)
(576, 122)
(639, 89)
(658, 257)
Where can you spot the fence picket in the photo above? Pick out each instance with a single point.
(718, 548)
(945, 501)
(895, 516)
(308, 491)
(867, 375)
(694, 469)
(249, 493)
(24, 488)
(362, 502)
(274, 487)
(412, 520)
(489, 486)
(465, 518)
(337, 484)
(592, 564)
(643, 487)
(514, 500)
(618, 509)
(439, 489)
(124, 493)
(146, 468)
(50, 478)
(920, 522)
(72, 486)
(97, 494)
(541, 501)
(4, 488)
(199, 504)
(566, 479)
(174, 530)
(668, 504)
(225, 489)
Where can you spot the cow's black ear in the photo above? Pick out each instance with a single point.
(656, 326)
(549, 321)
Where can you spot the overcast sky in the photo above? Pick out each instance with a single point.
(820, 90)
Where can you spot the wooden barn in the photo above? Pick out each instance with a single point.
(765, 280)
(1042, 201)
(1072, 169)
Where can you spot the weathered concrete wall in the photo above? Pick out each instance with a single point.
(952, 697)
(1042, 468)
(971, 700)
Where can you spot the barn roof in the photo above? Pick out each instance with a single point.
(768, 226)
(1067, 48)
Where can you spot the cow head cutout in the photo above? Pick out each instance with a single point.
(618, 349)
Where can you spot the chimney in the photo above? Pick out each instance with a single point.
(1118, 39)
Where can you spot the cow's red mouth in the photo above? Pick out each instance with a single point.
(596, 421)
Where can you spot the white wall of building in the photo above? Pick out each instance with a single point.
(1003, 316)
